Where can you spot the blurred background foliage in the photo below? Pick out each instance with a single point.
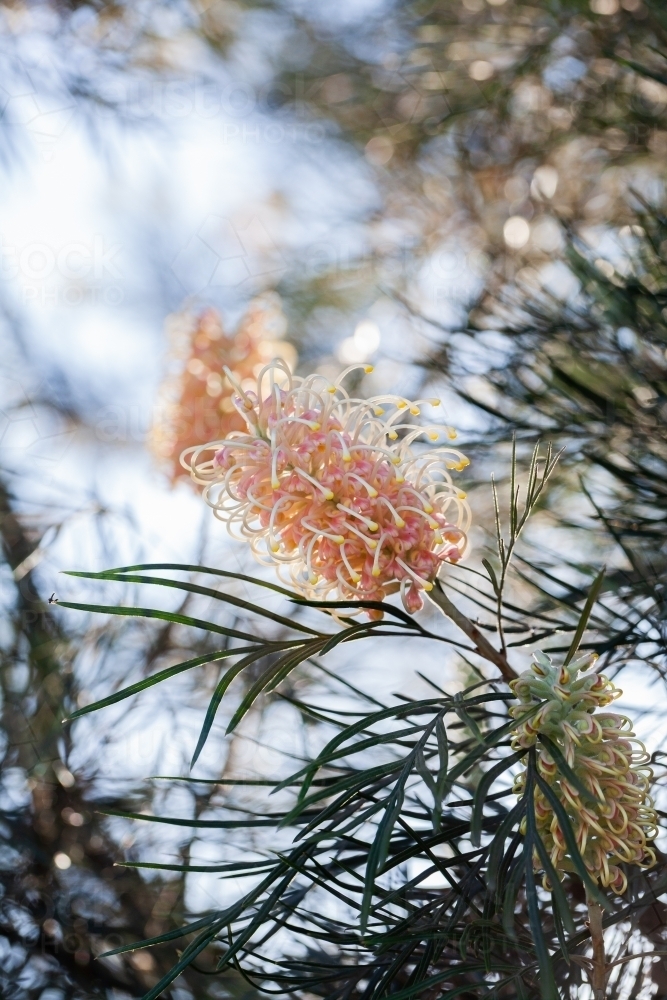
(470, 194)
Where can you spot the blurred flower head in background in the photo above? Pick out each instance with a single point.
(335, 488)
(195, 399)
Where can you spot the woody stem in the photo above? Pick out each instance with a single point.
(480, 642)
(599, 970)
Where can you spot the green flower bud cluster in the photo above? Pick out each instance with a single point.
(618, 822)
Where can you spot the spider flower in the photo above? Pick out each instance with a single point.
(195, 399)
(337, 490)
(618, 822)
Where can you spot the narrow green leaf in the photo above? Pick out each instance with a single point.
(425, 774)
(343, 636)
(166, 616)
(186, 568)
(257, 920)
(275, 674)
(211, 781)
(193, 588)
(162, 675)
(570, 840)
(482, 791)
(490, 741)
(468, 720)
(514, 493)
(242, 866)
(331, 786)
(327, 753)
(443, 747)
(556, 886)
(346, 788)
(567, 771)
(199, 824)
(217, 697)
(585, 615)
(388, 609)
(380, 847)
(497, 849)
(185, 960)
(426, 985)
(548, 988)
(512, 889)
(161, 938)
(492, 575)
(560, 929)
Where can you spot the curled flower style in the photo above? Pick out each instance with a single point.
(619, 822)
(337, 489)
(195, 399)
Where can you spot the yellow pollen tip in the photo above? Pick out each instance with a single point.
(433, 436)
(401, 404)
(433, 525)
(415, 411)
(399, 478)
(339, 539)
(274, 547)
(434, 402)
(428, 586)
(375, 572)
(461, 494)
(400, 523)
(372, 493)
(368, 369)
(439, 540)
(328, 495)
(428, 509)
(314, 425)
(395, 460)
(378, 411)
(275, 484)
(312, 580)
(331, 389)
(372, 544)
(392, 435)
(372, 526)
(451, 434)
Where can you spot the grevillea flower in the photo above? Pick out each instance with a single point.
(195, 399)
(337, 489)
(603, 753)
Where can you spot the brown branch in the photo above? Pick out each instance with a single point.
(599, 967)
(480, 642)
(640, 954)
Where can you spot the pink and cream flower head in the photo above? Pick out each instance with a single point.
(342, 492)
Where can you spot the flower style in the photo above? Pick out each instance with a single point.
(603, 753)
(334, 489)
(195, 400)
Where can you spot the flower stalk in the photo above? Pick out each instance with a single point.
(598, 973)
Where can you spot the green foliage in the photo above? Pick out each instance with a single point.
(402, 793)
